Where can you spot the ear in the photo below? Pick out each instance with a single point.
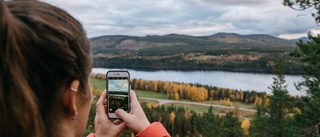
(69, 98)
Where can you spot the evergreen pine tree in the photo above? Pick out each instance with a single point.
(270, 118)
(279, 101)
(309, 120)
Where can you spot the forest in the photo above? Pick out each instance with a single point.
(258, 63)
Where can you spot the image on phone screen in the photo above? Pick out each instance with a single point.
(118, 92)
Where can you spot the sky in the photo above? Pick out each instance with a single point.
(189, 17)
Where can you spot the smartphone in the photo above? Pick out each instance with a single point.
(118, 88)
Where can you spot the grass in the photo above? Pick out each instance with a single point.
(98, 84)
(196, 108)
(240, 104)
(150, 94)
(147, 101)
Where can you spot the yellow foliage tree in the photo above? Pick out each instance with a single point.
(245, 125)
(141, 84)
(166, 87)
(136, 84)
(187, 114)
(155, 86)
(176, 96)
(175, 87)
(188, 92)
(296, 110)
(226, 102)
(181, 92)
(193, 93)
(256, 102)
(152, 105)
(172, 117)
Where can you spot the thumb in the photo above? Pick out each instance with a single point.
(123, 114)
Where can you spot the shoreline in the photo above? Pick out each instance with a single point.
(150, 69)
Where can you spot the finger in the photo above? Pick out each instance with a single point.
(133, 97)
(120, 127)
(105, 97)
(135, 105)
(117, 122)
(100, 107)
(121, 113)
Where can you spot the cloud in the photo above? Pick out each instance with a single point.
(237, 2)
(269, 20)
(191, 17)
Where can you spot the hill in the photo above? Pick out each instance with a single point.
(105, 44)
(221, 51)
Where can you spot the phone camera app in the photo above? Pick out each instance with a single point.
(118, 94)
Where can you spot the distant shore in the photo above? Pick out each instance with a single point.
(141, 68)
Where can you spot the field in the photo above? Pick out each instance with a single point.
(239, 104)
(149, 94)
(196, 108)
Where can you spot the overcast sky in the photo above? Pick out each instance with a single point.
(190, 17)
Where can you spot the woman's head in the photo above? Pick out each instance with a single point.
(43, 52)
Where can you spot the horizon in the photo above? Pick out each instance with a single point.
(197, 35)
(189, 17)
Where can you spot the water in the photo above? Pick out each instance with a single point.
(223, 79)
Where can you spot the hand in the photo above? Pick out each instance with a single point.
(136, 120)
(103, 126)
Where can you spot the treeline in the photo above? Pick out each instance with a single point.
(194, 92)
(181, 122)
(179, 61)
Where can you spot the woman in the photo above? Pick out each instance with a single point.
(44, 77)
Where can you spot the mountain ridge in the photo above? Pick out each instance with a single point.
(126, 42)
(221, 51)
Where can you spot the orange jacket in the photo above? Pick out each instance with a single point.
(155, 129)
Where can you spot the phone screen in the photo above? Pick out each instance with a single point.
(118, 92)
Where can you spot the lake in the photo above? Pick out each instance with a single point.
(234, 80)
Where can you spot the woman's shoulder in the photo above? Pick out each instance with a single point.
(155, 129)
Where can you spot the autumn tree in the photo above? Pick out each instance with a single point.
(155, 86)
(245, 125)
(172, 119)
(226, 102)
